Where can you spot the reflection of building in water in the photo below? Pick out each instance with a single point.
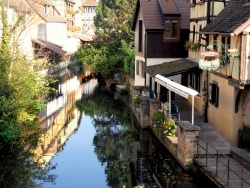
(60, 118)
(56, 135)
(89, 87)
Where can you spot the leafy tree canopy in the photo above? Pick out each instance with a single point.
(21, 89)
(112, 48)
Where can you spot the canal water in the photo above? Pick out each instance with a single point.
(92, 140)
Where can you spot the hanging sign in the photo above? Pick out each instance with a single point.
(209, 60)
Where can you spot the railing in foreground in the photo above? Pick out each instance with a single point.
(204, 150)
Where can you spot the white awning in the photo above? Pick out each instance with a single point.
(178, 89)
(175, 87)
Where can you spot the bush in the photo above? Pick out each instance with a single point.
(158, 118)
(169, 125)
(136, 100)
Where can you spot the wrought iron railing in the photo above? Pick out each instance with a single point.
(209, 153)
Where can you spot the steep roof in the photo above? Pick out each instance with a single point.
(71, 1)
(168, 7)
(20, 5)
(55, 48)
(233, 19)
(90, 3)
(53, 16)
(153, 12)
(185, 13)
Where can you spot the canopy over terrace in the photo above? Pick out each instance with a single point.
(178, 89)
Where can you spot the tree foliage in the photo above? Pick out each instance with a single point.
(21, 89)
(112, 48)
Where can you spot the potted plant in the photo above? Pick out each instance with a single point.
(188, 45)
(170, 128)
(195, 47)
(158, 119)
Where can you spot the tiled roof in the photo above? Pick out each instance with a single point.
(90, 3)
(45, 2)
(184, 8)
(20, 5)
(232, 19)
(153, 12)
(169, 7)
(82, 36)
(171, 68)
(38, 6)
(71, 1)
(55, 48)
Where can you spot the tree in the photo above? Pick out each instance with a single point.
(21, 89)
(112, 48)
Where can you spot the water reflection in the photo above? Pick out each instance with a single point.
(114, 138)
(131, 156)
(93, 140)
(60, 118)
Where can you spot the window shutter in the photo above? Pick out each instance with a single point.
(142, 69)
(210, 92)
(216, 102)
(214, 89)
(213, 94)
(137, 67)
(198, 83)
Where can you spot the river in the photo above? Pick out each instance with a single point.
(92, 140)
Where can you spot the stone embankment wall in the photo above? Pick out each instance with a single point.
(184, 147)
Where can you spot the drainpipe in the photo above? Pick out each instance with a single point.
(207, 84)
(206, 102)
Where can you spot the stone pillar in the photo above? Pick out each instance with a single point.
(145, 112)
(187, 142)
(154, 106)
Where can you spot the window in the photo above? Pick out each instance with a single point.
(46, 9)
(140, 37)
(140, 68)
(194, 81)
(193, 33)
(213, 94)
(172, 30)
(137, 67)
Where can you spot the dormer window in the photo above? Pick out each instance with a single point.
(172, 30)
(46, 9)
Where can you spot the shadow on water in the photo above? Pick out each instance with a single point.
(17, 169)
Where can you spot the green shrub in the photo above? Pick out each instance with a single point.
(158, 118)
(170, 127)
(136, 100)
